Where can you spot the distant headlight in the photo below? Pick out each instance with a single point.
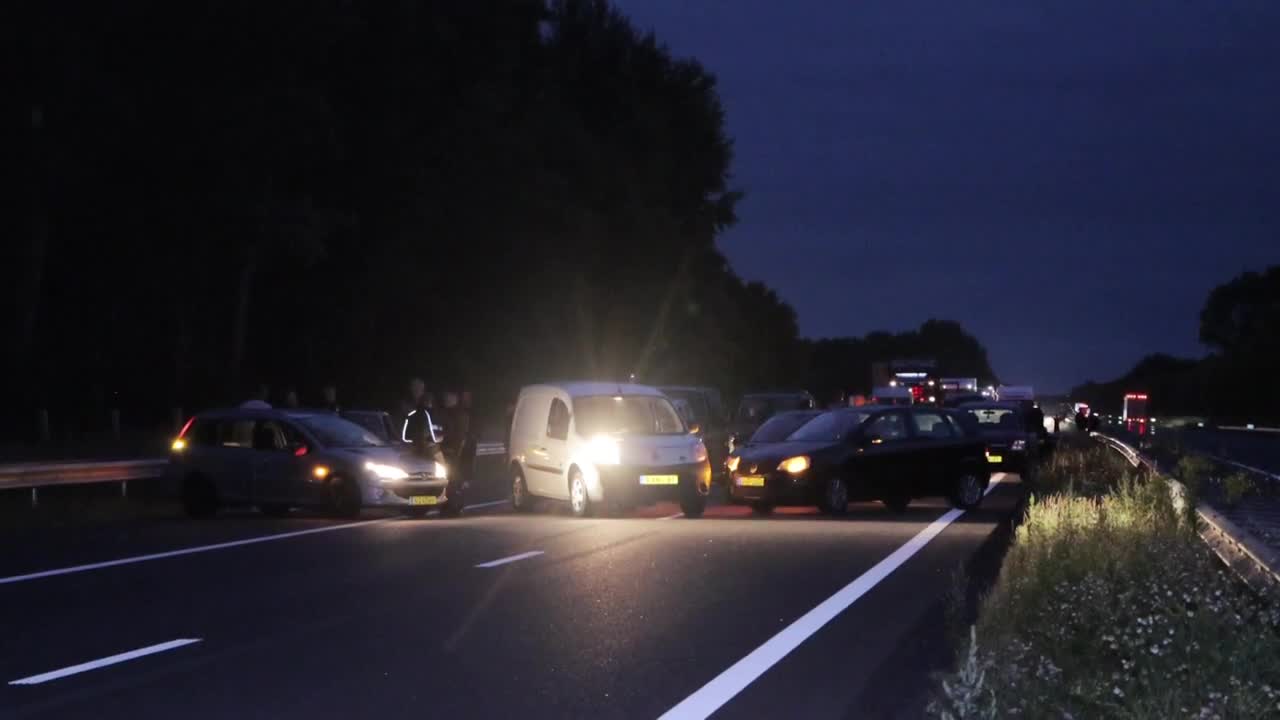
(441, 470)
(795, 465)
(1019, 445)
(731, 462)
(604, 450)
(386, 472)
(700, 453)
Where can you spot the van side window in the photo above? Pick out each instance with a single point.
(235, 433)
(558, 421)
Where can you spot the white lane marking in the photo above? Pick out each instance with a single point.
(672, 517)
(103, 662)
(510, 559)
(729, 683)
(486, 504)
(1242, 466)
(178, 553)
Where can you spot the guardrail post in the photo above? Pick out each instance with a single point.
(35, 498)
(124, 488)
(42, 424)
(115, 424)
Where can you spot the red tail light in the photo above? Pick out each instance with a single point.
(183, 432)
(302, 450)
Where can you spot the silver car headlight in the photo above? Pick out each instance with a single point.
(386, 472)
(441, 471)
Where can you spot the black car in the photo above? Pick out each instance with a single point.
(891, 454)
(1012, 443)
(755, 408)
(774, 430)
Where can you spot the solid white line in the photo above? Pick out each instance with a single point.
(1242, 466)
(729, 683)
(486, 504)
(178, 553)
(511, 559)
(672, 517)
(112, 660)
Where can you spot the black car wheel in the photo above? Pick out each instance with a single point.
(762, 508)
(344, 497)
(579, 501)
(521, 500)
(968, 491)
(835, 496)
(199, 497)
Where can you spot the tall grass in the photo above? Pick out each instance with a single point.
(1109, 606)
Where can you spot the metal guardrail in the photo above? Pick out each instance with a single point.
(1255, 563)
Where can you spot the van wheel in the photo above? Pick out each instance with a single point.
(199, 497)
(968, 491)
(835, 496)
(521, 500)
(344, 497)
(579, 501)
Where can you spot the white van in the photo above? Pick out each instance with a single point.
(604, 446)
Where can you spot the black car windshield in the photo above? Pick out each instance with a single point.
(333, 431)
(778, 427)
(995, 418)
(627, 415)
(830, 427)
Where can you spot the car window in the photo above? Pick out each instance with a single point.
(932, 425)
(665, 417)
(888, 427)
(558, 420)
(203, 433)
(333, 431)
(829, 427)
(626, 414)
(235, 433)
(778, 427)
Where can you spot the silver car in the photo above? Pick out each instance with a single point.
(281, 459)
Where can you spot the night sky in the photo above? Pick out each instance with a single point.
(1067, 179)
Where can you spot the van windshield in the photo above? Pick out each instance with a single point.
(626, 415)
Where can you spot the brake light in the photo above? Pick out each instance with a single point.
(183, 432)
(300, 451)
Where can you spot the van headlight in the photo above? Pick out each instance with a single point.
(700, 453)
(385, 472)
(604, 450)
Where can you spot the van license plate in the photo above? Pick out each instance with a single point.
(423, 500)
(751, 481)
(659, 479)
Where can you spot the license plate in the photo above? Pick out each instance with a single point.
(423, 500)
(751, 481)
(995, 458)
(659, 479)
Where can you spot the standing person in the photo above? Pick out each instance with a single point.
(1082, 423)
(417, 417)
(330, 395)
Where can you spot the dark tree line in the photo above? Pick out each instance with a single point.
(296, 192)
(1236, 382)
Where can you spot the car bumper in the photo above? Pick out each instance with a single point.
(1009, 461)
(624, 482)
(779, 489)
(430, 493)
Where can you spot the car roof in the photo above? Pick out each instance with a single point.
(688, 388)
(777, 394)
(988, 404)
(276, 413)
(585, 388)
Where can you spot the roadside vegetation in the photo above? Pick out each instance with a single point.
(1108, 605)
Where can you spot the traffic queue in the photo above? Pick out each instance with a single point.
(604, 448)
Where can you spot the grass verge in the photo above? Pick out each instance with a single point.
(1109, 606)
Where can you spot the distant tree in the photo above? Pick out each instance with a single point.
(1241, 318)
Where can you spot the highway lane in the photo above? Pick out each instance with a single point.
(614, 618)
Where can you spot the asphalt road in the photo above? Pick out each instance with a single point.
(797, 615)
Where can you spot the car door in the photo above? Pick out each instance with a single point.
(229, 463)
(938, 448)
(277, 472)
(885, 460)
(555, 449)
(529, 439)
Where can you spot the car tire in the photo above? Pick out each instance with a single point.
(344, 498)
(835, 496)
(897, 503)
(762, 508)
(521, 500)
(693, 505)
(274, 510)
(968, 490)
(199, 497)
(579, 499)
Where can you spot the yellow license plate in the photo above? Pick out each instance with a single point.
(659, 479)
(423, 500)
(995, 458)
(751, 481)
